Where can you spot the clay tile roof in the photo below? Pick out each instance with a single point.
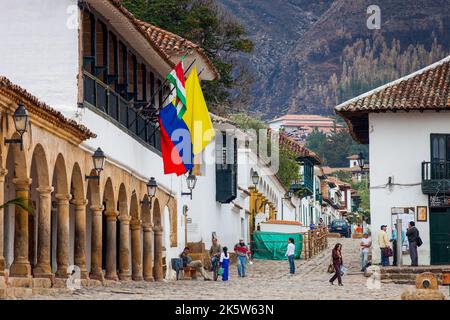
(42, 110)
(303, 117)
(293, 223)
(167, 44)
(297, 148)
(173, 44)
(426, 89)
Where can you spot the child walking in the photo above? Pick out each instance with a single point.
(225, 263)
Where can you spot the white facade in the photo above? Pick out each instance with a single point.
(398, 144)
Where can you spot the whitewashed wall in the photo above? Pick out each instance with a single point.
(398, 145)
(39, 48)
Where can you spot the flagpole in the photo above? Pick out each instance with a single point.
(165, 80)
(149, 104)
(156, 127)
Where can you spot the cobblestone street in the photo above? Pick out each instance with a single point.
(266, 280)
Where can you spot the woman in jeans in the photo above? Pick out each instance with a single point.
(290, 254)
(337, 263)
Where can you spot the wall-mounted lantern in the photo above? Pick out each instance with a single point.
(191, 181)
(152, 186)
(21, 119)
(98, 159)
(255, 178)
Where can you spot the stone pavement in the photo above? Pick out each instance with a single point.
(266, 280)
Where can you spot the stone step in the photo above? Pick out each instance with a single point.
(19, 293)
(16, 282)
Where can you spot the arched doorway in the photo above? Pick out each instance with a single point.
(16, 226)
(158, 273)
(41, 202)
(109, 247)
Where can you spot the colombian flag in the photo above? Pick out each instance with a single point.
(184, 137)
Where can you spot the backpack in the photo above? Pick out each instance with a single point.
(419, 241)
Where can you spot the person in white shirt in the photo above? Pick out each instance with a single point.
(365, 245)
(225, 263)
(290, 254)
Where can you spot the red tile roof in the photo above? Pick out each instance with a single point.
(426, 89)
(302, 117)
(42, 110)
(297, 148)
(166, 43)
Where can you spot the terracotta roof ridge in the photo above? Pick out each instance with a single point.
(8, 84)
(393, 83)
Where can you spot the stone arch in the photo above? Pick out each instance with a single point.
(61, 219)
(146, 211)
(78, 212)
(39, 164)
(123, 230)
(94, 223)
(109, 235)
(136, 236)
(16, 220)
(40, 218)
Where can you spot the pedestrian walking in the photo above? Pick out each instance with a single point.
(365, 245)
(414, 241)
(384, 244)
(336, 255)
(225, 263)
(290, 254)
(394, 244)
(241, 251)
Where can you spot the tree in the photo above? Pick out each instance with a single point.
(289, 169)
(336, 147)
(207, 24)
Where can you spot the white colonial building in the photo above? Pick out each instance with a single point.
(407, 126)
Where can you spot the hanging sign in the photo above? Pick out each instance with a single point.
(439, 201)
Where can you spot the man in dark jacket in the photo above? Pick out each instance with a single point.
(413, 235)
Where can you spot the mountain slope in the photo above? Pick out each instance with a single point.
(300, 44)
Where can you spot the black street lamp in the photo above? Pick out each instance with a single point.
(361, 161)
(191, 181)
(152, 186)
(98, 159)
(21, 119)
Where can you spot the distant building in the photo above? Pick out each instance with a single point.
(299, 127)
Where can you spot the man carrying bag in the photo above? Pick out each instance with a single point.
(414, 241)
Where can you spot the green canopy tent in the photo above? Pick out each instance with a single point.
(273, 245)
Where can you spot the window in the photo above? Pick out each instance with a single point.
(440, 147)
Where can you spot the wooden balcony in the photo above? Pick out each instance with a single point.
(436, 177)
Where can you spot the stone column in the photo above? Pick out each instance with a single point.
(96, 243)
(111, 246)
(43, 267)
(124, 259)
(62, 243)
(148, 252)
(80, 236)
(136, 257)
(21, 266)
(158, 265)
(3, 173)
